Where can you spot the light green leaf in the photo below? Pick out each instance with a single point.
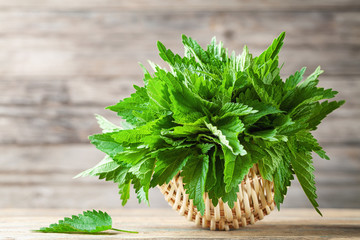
(312, 79)
(231, 127)
(107, 144)
(235, 109)
(144, 170)
(293, 80)
(105, 165)
(245, 59)
(110, 170)
(227, 131)
(106, 125)
(166, 54)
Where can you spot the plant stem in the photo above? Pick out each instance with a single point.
(115, 229)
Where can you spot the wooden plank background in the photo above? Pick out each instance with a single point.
(61, 61)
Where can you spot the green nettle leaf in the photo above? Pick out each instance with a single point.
(144, 170)
(303, 169)
(245, 59)
(235, 170)
(110, 170)
(106, 125)
(157, 92)
(231, 127)
(235, 109)
(105, 166)
(282, 180)
(168, 164)
(106, 143)
(194, 177)
(211, 177)
(88, 222)
(209, 117)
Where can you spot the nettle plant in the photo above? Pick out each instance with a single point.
(210, 117)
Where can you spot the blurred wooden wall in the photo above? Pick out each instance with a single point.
(61, 61)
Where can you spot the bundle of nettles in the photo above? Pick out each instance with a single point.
(211, 116)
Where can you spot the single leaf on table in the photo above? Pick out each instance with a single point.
(87, 222)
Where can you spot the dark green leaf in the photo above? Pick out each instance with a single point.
(194, 177)
(169, 163)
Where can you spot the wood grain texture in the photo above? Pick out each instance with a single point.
(167, 224)
(61, 61)
(63, 43)
(184, 5)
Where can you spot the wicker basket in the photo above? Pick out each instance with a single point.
(255, 200)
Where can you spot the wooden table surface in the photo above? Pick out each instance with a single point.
(167, 224)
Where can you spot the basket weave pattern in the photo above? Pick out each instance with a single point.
(255, 200)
